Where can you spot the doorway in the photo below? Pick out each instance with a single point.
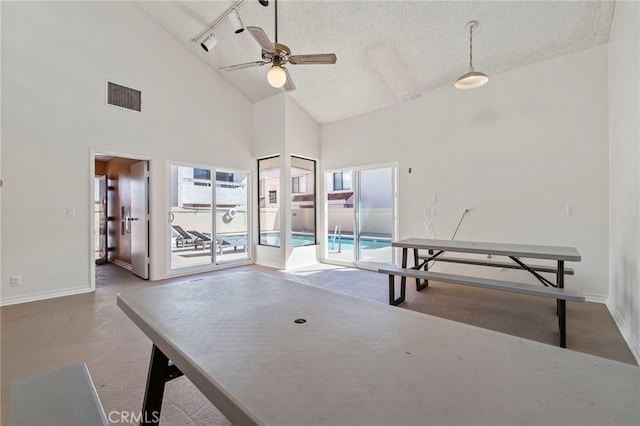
(360, 216)
(121, 208)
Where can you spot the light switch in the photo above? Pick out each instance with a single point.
(71, 212)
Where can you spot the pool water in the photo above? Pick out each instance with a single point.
(299, 240)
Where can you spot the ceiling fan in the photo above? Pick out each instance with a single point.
(278, 55)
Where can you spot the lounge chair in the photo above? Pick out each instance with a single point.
(232, 240)
(204, 239)
(184, 237)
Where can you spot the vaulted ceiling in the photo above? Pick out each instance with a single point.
(388, 51)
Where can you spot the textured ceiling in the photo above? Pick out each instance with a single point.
(388, 51)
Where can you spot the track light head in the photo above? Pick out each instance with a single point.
(265, 3)
(209, 42)
(234, 17)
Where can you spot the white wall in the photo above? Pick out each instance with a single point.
(268, 136)
(56, 58)
(282, 127)
(515, 151)
(624, 134)
(302, 138)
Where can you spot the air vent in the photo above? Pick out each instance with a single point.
(124, 97)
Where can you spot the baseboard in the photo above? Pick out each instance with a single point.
(268, 264)
(625, 330)
(291, 267)
(121, 264)
(44, 295)
(595, 298)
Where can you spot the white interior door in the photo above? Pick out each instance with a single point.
(140, 219)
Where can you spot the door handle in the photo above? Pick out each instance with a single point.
(132, 218)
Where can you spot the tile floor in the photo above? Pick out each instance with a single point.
(44, 335)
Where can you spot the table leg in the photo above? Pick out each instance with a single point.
(561, 306)
(392, 291)
(416, 260)
(152, 403)
(403, 282)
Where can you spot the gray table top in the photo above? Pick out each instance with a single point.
(499, 249)
(356, 362)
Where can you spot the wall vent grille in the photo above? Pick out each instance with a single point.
(124, 97)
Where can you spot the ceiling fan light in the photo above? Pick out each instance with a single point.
(276, 76)
(209, 42)
(234, 17)
(471, 80)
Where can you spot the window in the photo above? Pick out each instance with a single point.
(269, 209)
(298, 185)
(224, 177)
(202, 174)
(341, 181)
(197, 211)
(303, 202)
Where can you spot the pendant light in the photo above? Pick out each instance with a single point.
(472, 79)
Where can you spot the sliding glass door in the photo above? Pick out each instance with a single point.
(374, 221)
(360, 212)
(207, 225)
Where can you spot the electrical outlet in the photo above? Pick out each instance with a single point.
(71, 212)
(571, 209)
(16, 280)
(430, 212)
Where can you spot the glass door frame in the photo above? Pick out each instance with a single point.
(214, 264)
(355, 182)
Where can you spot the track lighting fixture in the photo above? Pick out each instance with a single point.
(209, 42)
(472, 79)
(234, 17)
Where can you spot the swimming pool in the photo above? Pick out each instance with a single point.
(300, 239)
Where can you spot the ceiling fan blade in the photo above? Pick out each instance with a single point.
(319, 58)
(262, 39)
(288, 84)
(241, 66)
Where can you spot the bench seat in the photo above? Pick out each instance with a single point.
(65, 397)
(530, 289)
(560, 294)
